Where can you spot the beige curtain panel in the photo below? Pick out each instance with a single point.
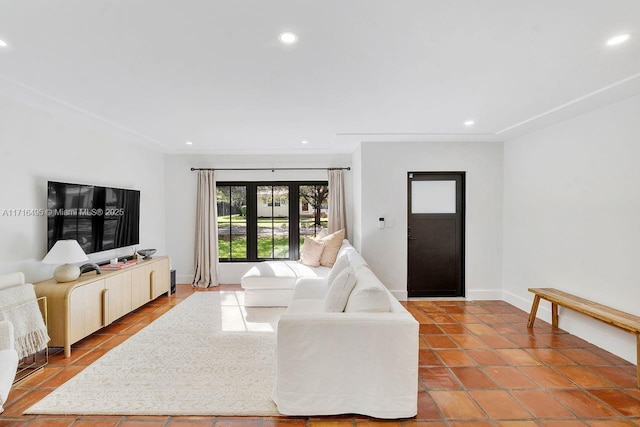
(206, 247)
(337, 208)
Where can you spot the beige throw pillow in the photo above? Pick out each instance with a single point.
(332, 244)
(311, 252)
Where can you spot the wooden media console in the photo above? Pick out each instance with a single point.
(79, 308)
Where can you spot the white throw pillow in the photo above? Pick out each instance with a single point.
(311, 252)
(339, 291)
(341, 263)
(369, 295)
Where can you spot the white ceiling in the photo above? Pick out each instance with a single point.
(214, 72)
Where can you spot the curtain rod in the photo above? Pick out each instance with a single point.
(268, 169)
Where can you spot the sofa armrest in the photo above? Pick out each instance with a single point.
(310, 288)
(364, 363)
(7, 338)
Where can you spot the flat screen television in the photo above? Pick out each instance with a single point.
(99, 218)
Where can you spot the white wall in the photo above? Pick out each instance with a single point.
(383, 188)
(355, 234)
(572, 217)
(181, 196)
(37, 146)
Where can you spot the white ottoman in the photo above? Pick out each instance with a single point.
(271, 283)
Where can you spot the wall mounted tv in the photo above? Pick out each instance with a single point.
(99, 218)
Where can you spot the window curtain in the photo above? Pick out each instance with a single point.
(337, 208)
(206, 247)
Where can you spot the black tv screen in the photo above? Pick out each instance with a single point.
(99, 218)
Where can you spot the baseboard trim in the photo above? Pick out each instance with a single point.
(184, 278)
(525, 304)
(484, 294)
(400, 295)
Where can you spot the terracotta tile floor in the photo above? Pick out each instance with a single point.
(479, 366)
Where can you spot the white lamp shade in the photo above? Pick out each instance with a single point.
(65, 251)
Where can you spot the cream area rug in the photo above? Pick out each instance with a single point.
(209, 355)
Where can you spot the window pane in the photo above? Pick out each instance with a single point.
(313, 209)
(268, 220)
(223, 197)
(232, 223)
(238, 220)
(273, 221)
(433, 197)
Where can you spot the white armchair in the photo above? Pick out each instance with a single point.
(14, 327)
(8, 361)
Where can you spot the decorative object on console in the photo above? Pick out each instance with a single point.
(147, 253)
(65, 252)
(85, 268)
(119, 265)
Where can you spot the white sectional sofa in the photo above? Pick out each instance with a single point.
(360, 361)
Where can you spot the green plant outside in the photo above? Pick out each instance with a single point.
(239, 219)
(237, 248)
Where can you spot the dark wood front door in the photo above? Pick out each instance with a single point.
(436, 234)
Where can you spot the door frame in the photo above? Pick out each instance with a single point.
(463, 219)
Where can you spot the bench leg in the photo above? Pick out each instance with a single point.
(554, 315)
(534, 310)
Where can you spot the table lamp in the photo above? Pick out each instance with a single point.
(65, 252)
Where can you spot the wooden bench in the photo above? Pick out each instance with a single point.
(614, 317)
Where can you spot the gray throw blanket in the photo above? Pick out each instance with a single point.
(30, 330)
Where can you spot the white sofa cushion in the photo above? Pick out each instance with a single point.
(279, 274)
(341, 263)
(339, 291)
(305, 306)
(355, 259)
(369, 295)
(310, 288)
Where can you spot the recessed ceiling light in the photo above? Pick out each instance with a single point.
(618, 39)
(304, 141)
(189, 143)
(469, 123)
(3, 43)
(288, 38)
